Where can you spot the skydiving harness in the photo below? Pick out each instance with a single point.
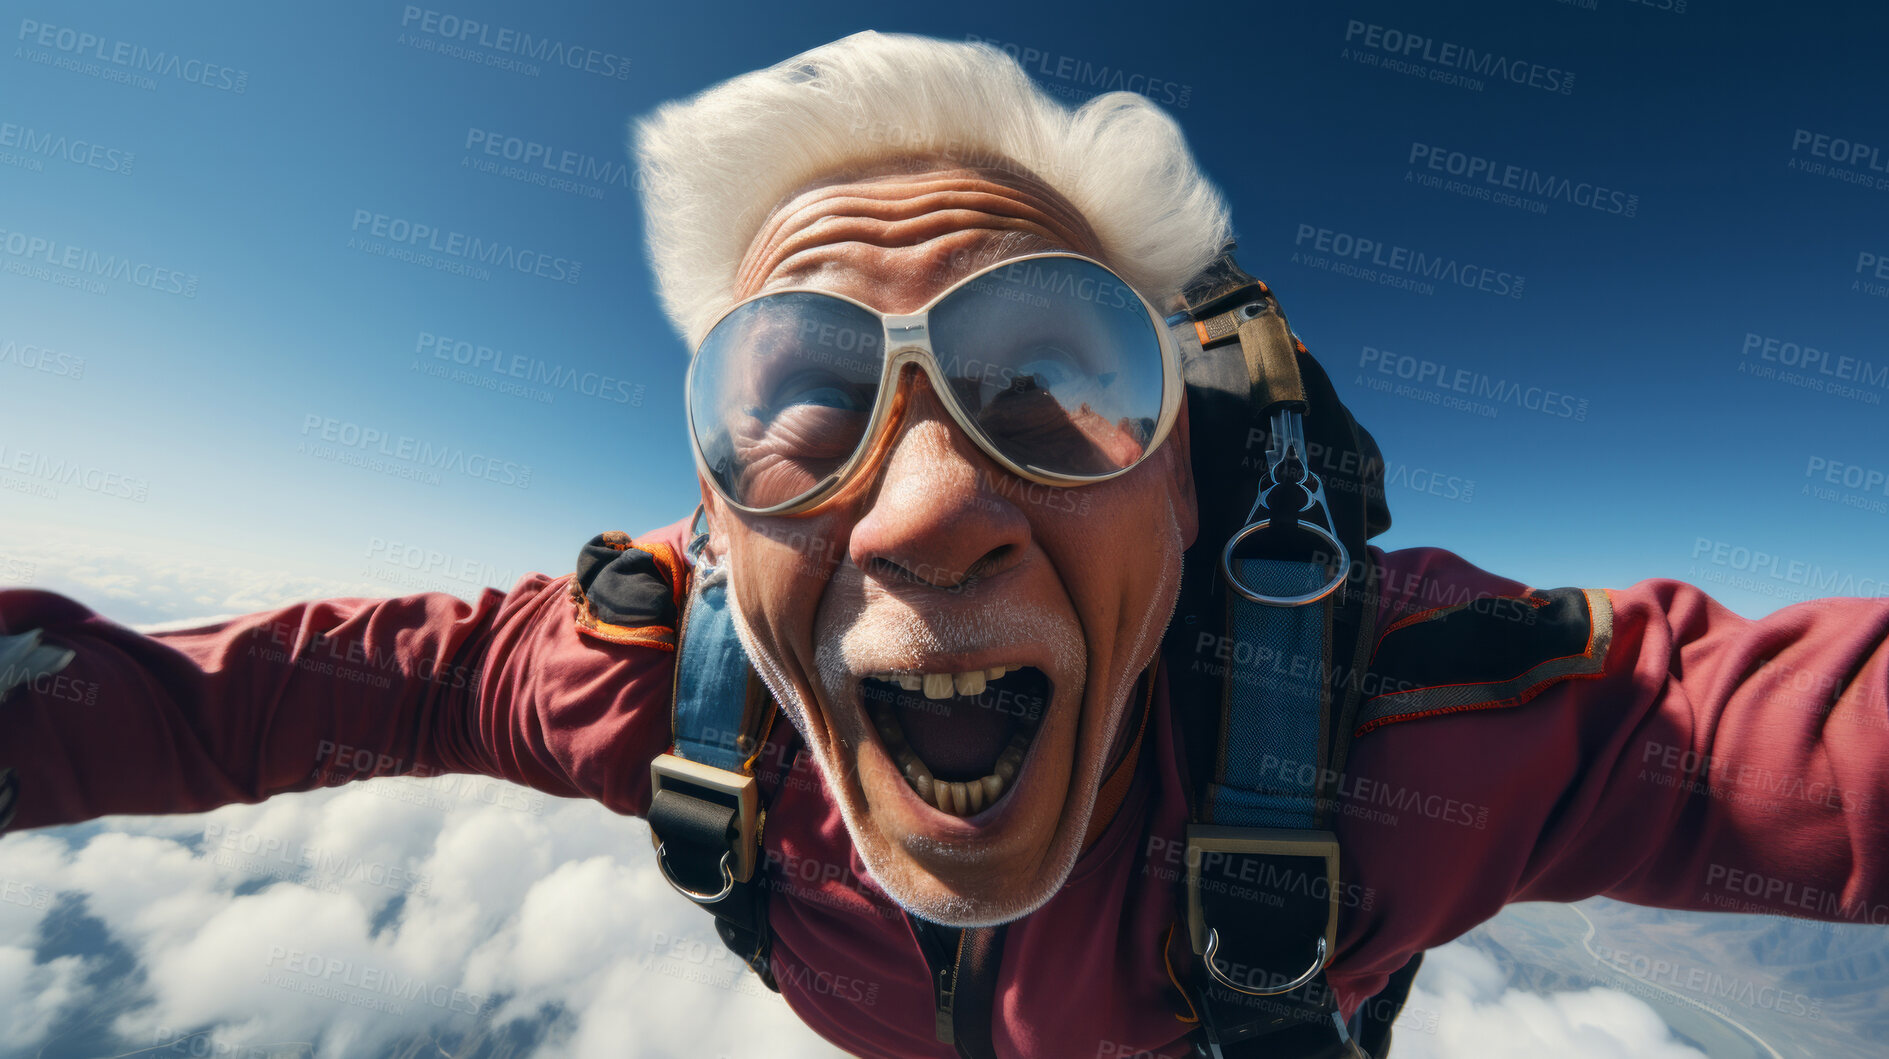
(1269, 646)
(1265, 742)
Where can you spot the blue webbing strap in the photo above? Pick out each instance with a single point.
(1263, 930)
(711, 673)
(1270, 747)
(704, 812)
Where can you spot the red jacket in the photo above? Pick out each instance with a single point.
(1712, 762)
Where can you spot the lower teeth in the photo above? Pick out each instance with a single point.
(957, 797)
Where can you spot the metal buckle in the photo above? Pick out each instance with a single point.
(1213, 969)
(1208, 839)
(1287, 450)
(696, 780)
(700, 898)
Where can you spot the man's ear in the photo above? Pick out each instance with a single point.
(1181, 454)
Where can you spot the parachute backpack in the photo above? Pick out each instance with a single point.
(1279, 571)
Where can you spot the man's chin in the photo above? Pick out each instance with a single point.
(992, 867)
(998, 863)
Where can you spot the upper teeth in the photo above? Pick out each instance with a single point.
(943, 685)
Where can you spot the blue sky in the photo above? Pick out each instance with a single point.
(184, 439)
(356, 123)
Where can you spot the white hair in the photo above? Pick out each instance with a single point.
(715, 166)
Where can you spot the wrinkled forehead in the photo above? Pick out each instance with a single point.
(895, 235)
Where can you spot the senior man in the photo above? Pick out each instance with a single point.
(911, 534)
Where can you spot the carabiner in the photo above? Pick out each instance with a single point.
(1287, 448)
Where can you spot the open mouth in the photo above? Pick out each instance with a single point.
(960, 739)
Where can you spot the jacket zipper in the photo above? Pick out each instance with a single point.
(945, 998)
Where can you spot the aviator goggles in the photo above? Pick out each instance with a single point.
(1053, 365)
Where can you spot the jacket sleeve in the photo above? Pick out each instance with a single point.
(321, 693)
(1749, 770)
(1643, 743)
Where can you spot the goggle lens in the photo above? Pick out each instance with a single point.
(1054, 361)
(1058, 363)
(781, 393)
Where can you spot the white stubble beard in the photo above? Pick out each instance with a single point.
(836, 673)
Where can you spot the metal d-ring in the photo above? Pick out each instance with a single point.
(1213, 945)
(727, 882)
(1233, 579)
(1285, 453)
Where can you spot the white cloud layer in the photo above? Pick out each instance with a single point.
(1467, 1000)
(382, 917)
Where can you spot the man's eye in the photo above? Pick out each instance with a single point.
(1049, 368)
(823, 389)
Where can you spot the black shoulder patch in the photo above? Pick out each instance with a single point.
(628, 591)
(1490, 652)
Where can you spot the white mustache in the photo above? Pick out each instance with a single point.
(871, 639)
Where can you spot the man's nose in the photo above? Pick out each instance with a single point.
(940, 515)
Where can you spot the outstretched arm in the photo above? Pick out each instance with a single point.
(321, 693)
(1751, 773)
(1644, 743)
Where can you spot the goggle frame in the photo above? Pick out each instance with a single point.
(906, 339)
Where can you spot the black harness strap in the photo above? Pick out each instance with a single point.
(741, 918)
(709, 795)
(1379, 1012)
